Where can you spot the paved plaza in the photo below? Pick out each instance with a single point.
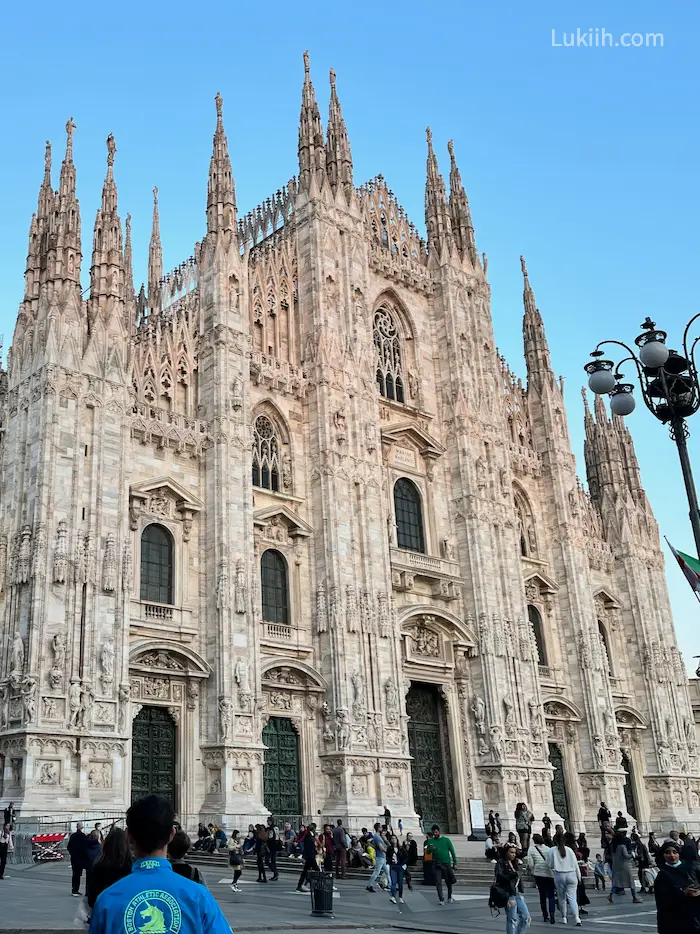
(37, 898)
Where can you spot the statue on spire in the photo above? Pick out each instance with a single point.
(219, 101)
(70, 130)
(111, 149)
(307, 65)
(523, 266)
(47, 160)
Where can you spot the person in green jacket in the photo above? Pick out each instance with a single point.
(444, 861)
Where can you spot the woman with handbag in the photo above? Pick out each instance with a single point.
(536, 861)
(509, 887)
(235, 858)
(562, 860)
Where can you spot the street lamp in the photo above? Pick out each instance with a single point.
(670, 389)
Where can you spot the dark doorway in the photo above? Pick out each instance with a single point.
(281, 781)
(153, 754)
(559, 797)
(630, 803)
(423, 706)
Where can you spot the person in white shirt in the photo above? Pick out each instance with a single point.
(491, 848)
(563, 862)
(536, 862)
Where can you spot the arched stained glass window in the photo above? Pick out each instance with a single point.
(409, 516)
(275, 595)
(387, 344)
(157, 565)
(266, 461)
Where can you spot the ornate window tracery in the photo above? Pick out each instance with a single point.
(387, 342)
(410, 533)
(266, 456)
(603, 633)
(274, 587)
(157, 565)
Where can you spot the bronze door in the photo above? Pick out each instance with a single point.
(153, 754)
(559, 797)
(425, 745)
(281, 782)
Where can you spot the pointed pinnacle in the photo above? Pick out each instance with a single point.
(111, 150)
(429, 135)
(523, 266)
(333, 78)
(47, 162)
(219, 110)
(307, 66)
(70, 130)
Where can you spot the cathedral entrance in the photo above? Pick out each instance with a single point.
(560, 798)
(424, 708)
(630, 803)
(153, 754)
(281, 781)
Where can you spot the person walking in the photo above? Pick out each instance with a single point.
(643, 864)
(178, 848)
(536, 862)
(340, 849)
(444, 862)
(395, 859)
(677, 893)
(622, 869)
(380, 847)
(152, 895)
(562, 860)
(77, 843)
(112, 864)
(235, 858)
(274, 845)
(581, 898)
(308, 854)
(599, 872)
(507, 878)
(261, 851)
(7, 845)
(328, 848)
(523, 824)
(411, 860)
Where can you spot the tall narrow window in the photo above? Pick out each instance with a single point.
(266, 470)
(389, 362)
(275, 597)
(602, 631)
(157, 565)
(533, 614)
(409, 516)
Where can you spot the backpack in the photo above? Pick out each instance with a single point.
(498, 898)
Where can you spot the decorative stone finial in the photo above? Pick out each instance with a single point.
(429, 134)
(333, 77)
(155, 195)
(451, 149)
(523, 266)
(47, 158)
(219, 105)
(307, 66)
(70, 130)
(111, 149)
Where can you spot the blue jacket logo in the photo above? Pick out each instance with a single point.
(152, 912)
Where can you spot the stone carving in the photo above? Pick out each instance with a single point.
(192, 694)
(321, 609)
(280, 701)
(497, 745)
(664, 753)
(479, 713)
(60, 555)
(3, 561)
(58, 645)
(222, 586)
(74, 704)
(509, 716)
(158, 688)
(373, 731)
(49, 707)
(335, 608)
(367, 612)
(4, 692)
(241, 677)
(127, 569)
(48, 773)
(342, 725)
(242, 782)
(535, 718)
(24, 556)
(393, 787)
(448, 549)
(370, 437)
(17, 655)
(225, 718)
(237, 393)
(340, 428)
(351, 609)
(392, 701)
(16, 769)
(86, 700)
(480, 466)
(599, 751)
(359, 707)
(100, 775)
(483, 746)
(383, 617)
(160, 659)
(240, 588)
(124, 698)
(174, 714)
(107, 663)
(287, 472)
(109, 565)
(425, 642)
(29, 698)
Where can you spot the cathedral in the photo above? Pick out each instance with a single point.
(281, 532)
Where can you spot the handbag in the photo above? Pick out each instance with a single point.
(498, 897)
(235, 859)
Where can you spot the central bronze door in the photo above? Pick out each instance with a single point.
(425, 745)
(153, 754)
(281, 784)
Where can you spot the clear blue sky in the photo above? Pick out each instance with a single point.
(585, 160)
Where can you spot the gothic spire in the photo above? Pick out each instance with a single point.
(155, 259)
(534, 338)
(462, 225)
(312, 151)
(46, 190)
(129, 292)
(437, 216)
(64, 252)
(107, 267)
(221, 191)
(338, 155)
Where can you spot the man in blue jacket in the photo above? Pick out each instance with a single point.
(153, 897)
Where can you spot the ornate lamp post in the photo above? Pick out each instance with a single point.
(670, 389)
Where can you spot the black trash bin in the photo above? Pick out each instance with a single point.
(321, 893)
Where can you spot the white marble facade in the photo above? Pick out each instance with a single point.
(320, 344)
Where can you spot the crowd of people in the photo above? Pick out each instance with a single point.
(560, 862)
